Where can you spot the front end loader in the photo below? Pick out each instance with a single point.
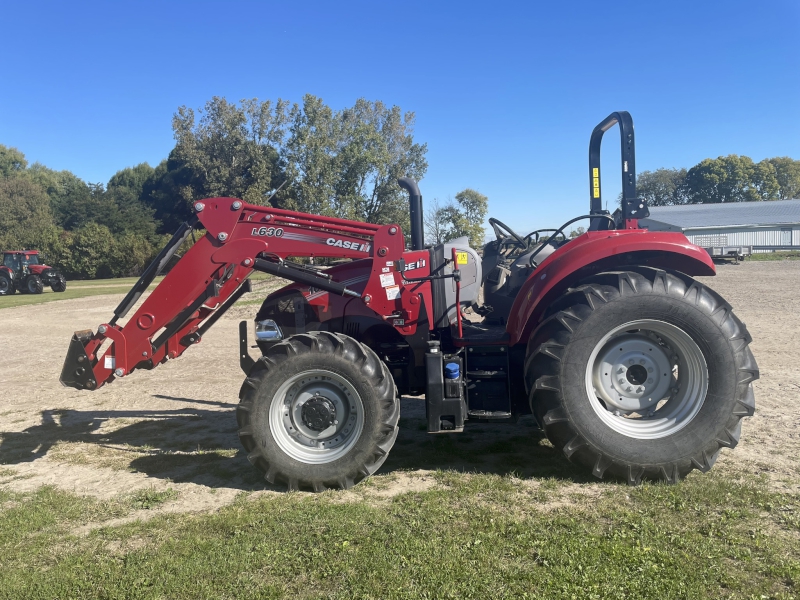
(632, 368)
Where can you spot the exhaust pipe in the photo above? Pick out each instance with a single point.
(415, 205)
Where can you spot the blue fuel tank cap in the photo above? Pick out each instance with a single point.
(451, 371)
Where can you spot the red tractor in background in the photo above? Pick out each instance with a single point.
(21, 270)
(632, 368)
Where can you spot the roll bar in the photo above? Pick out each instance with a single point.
(633, 209)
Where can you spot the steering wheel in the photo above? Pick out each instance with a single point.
(501, 229)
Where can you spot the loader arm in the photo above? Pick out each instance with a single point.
(214, 273)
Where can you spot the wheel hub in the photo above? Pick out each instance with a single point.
(633, 372)
(646, 379)
(318, 414)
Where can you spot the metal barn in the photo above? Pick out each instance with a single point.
(766, 226)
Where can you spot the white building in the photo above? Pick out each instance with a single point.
(764, 225)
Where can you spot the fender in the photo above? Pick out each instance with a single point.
(594, 252)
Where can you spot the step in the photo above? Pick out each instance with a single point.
(489, 414)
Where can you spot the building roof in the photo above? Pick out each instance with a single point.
(691, 216)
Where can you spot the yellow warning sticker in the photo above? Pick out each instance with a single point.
(595, 172)
(596, 193)
(462, 258)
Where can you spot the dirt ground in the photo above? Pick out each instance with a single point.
(175, 427)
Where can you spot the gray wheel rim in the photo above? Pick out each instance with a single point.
(301, 442)
(647, 379)
(4, 285)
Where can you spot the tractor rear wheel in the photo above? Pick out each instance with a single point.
(34, 284)
(58, 283)
(6, 285)
(641, 374)
(318, 410)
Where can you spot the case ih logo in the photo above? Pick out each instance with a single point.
(415, 265)
(347, 245)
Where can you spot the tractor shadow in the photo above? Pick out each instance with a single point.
(199, 444)
(502, 448)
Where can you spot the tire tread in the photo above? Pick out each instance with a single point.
(548, 343)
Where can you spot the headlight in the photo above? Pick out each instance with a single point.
(268, 330)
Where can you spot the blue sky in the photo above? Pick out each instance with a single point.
(505, 93)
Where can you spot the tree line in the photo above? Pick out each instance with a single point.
(304, 156)
(731, 178)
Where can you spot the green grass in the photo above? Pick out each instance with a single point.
(98, 287)
(75, 289)
(149, 498)
(778, 255)
(471, 536)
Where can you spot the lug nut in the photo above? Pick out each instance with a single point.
(222, 236)
(199, 206)
(236, 205)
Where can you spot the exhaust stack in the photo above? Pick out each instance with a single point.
(415, 206)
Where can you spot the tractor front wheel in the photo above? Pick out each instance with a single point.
(641, 375)
(318, 410)
(34, 285)
(58, 283)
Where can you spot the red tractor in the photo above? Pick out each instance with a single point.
(632, 368)
(21, 270)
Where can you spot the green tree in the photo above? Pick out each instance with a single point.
(662, 187)
(787, 172)
(437, 223)
(91, 250)
(230, 150)
(473, 208)
(12, 162)
(577, 232)
(25, 214)
(731, 178)
(464, 217)
(346, 163)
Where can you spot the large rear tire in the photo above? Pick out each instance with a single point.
(6, 285)
(318, 410)
(641, 374)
